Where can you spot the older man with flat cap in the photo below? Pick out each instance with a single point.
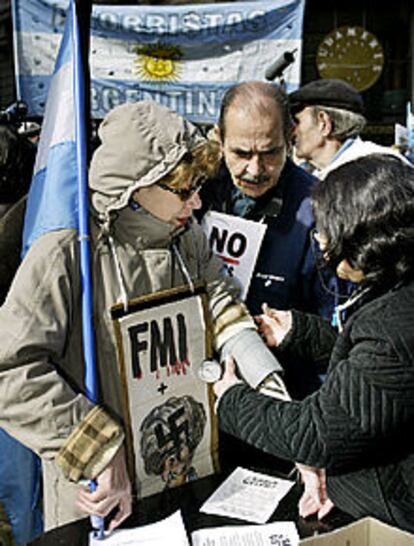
(328, 116)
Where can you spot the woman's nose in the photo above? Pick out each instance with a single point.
(194, 202)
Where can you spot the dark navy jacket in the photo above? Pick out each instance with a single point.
(285, 275)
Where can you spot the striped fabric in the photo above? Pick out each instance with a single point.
(90, 446)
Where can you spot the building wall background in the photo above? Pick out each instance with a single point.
(386, 100)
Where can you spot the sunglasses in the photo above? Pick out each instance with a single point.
(183, 193)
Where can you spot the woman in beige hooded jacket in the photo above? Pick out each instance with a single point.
(142, 240)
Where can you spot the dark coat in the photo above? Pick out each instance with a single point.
(285, 275)
(359, 425)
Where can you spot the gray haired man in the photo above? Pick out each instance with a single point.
(328, 116)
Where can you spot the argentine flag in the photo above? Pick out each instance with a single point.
(58, 196)
(53, 196)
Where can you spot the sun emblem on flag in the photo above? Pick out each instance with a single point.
(158, 62)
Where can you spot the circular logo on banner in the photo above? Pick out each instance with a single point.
(158, 62)
(351, 54)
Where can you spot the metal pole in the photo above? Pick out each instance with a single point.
(84, 10)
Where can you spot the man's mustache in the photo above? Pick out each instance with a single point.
(254, 179)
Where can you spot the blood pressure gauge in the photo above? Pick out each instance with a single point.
(209, 371)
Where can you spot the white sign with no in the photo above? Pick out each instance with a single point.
(237, 242)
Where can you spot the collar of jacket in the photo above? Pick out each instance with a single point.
(135, 231)
(346, 309)
(361, 296)
(142, 230)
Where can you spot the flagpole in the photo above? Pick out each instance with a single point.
(81, 116)
(91, 383)
(84, 11)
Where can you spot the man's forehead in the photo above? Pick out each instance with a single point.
(248, 136)
(241, 122)
(262, 109)
(247, 144)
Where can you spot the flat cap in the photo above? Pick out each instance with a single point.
(331, 93)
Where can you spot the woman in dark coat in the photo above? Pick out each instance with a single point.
(358, 428)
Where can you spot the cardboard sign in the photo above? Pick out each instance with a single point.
(237, 242)
(162, 341)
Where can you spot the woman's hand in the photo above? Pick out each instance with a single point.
(113, 490)
(273, 325)
(314, 499)
(228, 378)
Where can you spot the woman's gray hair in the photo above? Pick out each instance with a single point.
(345, 124)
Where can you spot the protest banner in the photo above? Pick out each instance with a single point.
(162, 340)
(184, 56)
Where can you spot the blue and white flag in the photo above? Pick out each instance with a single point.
(58, 192)
(184, 57)
(53, 197)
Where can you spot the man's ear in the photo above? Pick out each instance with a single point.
(325, 123)
(216, 134)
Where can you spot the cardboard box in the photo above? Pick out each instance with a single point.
(365, 532)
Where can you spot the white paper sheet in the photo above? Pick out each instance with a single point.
(247, 495)
(279, 533)
(169, 531)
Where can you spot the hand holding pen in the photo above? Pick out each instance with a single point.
(97, 522)
(113, 489)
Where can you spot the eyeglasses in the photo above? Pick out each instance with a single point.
(316, 238)
(318, 244)
(325, 279)
(183, 193)
(319, 240)
(320, 261)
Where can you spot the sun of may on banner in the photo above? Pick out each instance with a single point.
(184, 56)
(162, 341)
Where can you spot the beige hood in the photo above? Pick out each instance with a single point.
(141, 143)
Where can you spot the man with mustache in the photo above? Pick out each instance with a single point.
(259, 182)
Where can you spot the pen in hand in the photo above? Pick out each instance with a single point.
(110, 495)
(97, 522)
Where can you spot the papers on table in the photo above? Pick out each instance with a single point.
(280, 533)
(169, 531)
(244, 495)
(247, 495)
